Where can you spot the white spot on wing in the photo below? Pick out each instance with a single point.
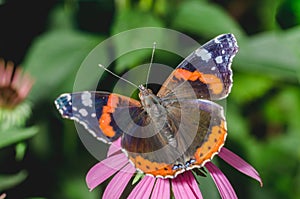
(83, 112)
(67, 95)
(86, 99)
(217, 40)
(204, 54)
(93, 114)
(219, 60)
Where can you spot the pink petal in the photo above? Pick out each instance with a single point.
(239, 164)
(182, 189)
(2, 196)
(26, 85)
(2, 71)
(17, 78)
(223, 185)
(161, 189)
(114, 147)
(143, 188)
(193, 184)
(104, 169)
(7, 73)
(119, 182)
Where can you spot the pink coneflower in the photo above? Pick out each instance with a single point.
(15, 86)
(183, 186)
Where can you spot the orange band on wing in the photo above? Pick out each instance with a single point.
(153, 168)
(113, 101)
(104, 124)
(214, 82)
(187, 75)
(213, 144)
(105, 119)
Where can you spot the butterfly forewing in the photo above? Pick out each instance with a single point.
(99, 112)
(207, 70)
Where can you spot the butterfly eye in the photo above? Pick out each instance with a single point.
(142, 88)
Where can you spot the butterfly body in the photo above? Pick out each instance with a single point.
(176, 130)
(157, 112)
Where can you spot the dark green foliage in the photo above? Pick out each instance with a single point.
(263, 110)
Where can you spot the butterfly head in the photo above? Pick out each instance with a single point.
(147, 97)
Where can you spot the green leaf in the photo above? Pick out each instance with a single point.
(12, 136)
(54, 60)
(243, 93)
(61, 17)
(2, 2)
(75, 188)
(8, 181)
(284, 107)
(207, 186)
(206, 19)
(268, 11)
(292, 39)
(272, 54)
(127, 20)
(237, 125)
(20, 150)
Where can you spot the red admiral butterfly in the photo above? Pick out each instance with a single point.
(178, 129)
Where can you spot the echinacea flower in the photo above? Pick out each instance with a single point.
(183, 186)
(15, 86)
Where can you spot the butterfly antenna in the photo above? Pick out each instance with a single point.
(151, 61)
(125, 80)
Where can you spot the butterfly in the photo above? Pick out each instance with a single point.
(179, 128)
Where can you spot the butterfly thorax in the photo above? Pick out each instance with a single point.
(157, 112)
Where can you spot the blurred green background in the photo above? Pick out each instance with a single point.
(44, 158)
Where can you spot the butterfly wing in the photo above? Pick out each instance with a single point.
(200, 131)
(147, 147)
(103, 114)
(206, 71)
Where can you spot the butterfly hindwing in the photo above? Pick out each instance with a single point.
(199, 130)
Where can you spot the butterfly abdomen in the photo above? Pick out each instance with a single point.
(158, 115)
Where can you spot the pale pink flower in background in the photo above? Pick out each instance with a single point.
(14, 84)
(183, 186)
(2, 196)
